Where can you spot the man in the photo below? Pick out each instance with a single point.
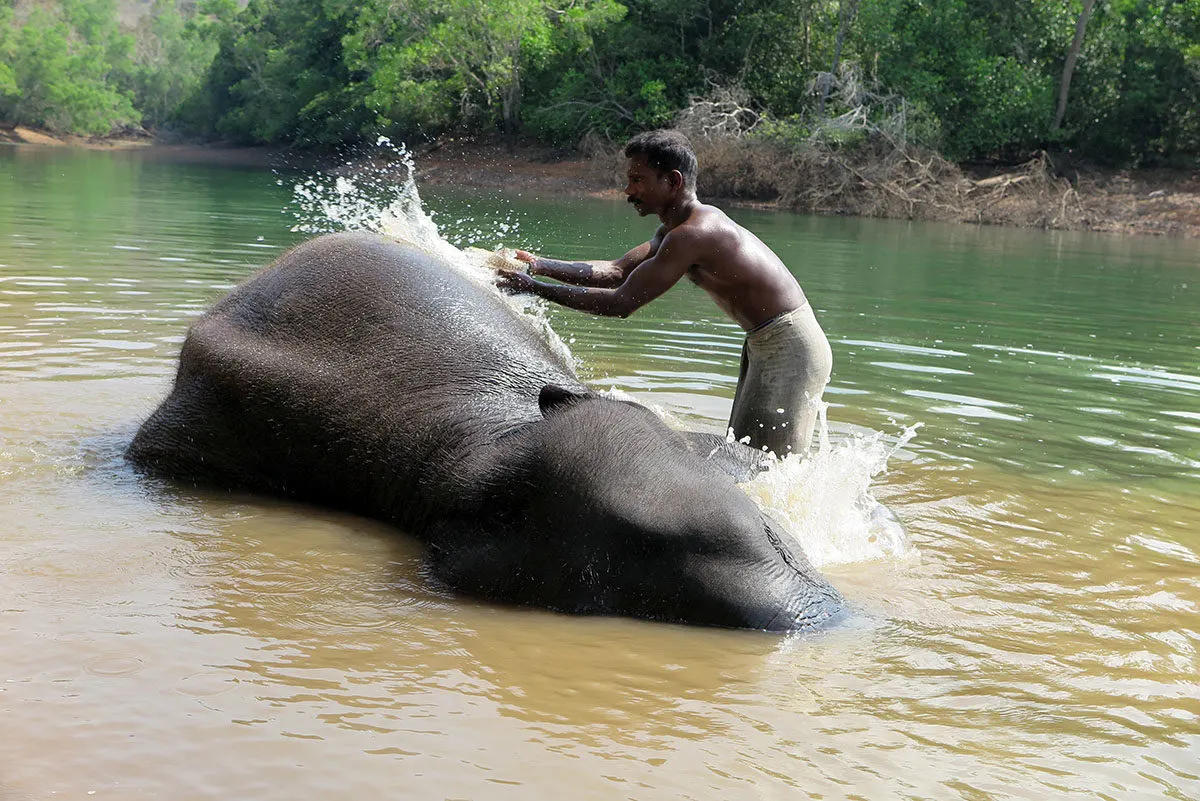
(786, 359)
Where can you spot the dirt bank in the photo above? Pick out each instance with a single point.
(1036, 195)
(527, 169)
(146, 145)
(1141, 202)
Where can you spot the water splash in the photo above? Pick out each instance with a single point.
(380, 196)
(825, 500)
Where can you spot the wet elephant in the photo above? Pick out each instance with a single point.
(366, 375)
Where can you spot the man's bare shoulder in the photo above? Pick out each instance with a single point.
(702, 222)
(706, 228)
(706, 216)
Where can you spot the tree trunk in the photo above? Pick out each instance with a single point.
(1069, 68)
(510, 108)
(846, 10)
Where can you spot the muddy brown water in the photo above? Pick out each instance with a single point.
(1040, 641)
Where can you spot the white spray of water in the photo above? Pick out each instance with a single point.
(382, 198)
(824, 500)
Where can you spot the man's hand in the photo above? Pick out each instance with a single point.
(513, 281)
(527, 257)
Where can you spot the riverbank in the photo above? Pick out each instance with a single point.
(146, 144)
(1153, 202)
(1035, 195)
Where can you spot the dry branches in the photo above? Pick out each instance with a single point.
(859, 159)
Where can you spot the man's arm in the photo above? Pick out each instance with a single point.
(579, 273)
(590, 273)
(645, 282)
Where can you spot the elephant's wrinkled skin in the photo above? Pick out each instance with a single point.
(359, 373)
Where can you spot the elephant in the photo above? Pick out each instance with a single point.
(362, 373)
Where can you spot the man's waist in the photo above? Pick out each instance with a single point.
(778, 317)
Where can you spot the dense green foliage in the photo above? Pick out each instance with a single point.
(280, 75)
(62, 67)
(69, 67)
(172, 56)
(979, 78)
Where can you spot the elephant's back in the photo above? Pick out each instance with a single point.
(346, 372)
(363, 298)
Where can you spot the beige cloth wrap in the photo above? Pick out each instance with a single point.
(786, 363)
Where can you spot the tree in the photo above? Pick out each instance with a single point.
(66, 65)
(171, 55)
(979, 67)
(279, 76)
(441, 61)
(1135, 96)
(639, 70)
(846, 11)
(9, 90)
(1069, 67)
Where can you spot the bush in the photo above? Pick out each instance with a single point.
(64, 69)
(1008, 110)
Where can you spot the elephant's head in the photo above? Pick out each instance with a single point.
(606, 510)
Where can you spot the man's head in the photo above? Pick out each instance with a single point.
(665, 151)
(662, 169)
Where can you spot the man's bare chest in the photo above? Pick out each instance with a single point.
(707, 279)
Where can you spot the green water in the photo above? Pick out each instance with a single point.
(1043, 644)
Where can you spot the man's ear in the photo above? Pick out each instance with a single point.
(676, 179)
(553, 397)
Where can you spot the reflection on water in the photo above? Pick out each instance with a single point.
(160, 641)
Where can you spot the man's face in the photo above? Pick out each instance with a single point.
(646, 189)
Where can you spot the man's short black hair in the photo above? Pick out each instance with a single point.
(665, 150)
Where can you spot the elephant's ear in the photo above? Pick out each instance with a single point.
(553, 397)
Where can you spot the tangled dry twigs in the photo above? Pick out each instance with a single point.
(725, 113)
(858, 159)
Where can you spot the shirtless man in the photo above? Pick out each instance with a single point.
(786, 359)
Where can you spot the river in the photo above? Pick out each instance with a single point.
(1033, 634)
